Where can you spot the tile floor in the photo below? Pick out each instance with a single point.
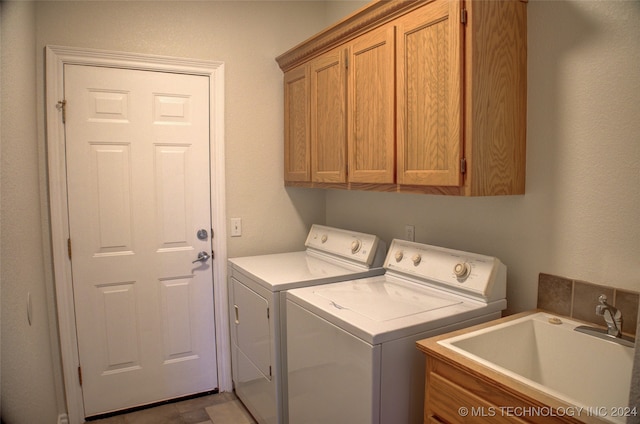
(221, 408)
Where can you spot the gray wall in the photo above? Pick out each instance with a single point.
(28, 359)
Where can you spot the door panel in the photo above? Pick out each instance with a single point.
(117, 312)
(371, 112)
(172, 194)
(297, 150)
(111, 173)
(329, 118)
(137, 147)
(429, 93)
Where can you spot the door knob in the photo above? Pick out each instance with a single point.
(202, 257)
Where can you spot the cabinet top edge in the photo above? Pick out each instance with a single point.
(369, 16)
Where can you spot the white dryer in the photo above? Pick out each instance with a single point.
(257, 287)
(351, 353)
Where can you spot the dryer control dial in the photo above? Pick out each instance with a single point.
(324, 238)
(399, 255)
(416, 259)
(355, 246)
(462, 270)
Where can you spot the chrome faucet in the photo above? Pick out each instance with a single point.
(611, 315)
(613, 318)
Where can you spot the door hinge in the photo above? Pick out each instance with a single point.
(463, 165)
(80, 374)
(69, 248)
(62, 107)
(463, 16)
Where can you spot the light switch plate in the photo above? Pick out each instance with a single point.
(236, 227)
(410, 233)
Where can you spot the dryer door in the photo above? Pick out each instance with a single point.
(250, 323)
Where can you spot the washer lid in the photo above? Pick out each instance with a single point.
(379, 300)
(284, 271)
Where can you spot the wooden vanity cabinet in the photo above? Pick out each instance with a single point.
(460, 390)
(430, 97)
(454, 396)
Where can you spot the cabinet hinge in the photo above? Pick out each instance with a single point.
(463, 165)
(62, 107)
(463, 16)
(69, 248)
(80, 374)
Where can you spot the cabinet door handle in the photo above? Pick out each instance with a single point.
(237, 314)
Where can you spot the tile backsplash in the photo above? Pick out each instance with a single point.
(578, 299)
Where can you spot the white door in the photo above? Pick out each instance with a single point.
(137, 146)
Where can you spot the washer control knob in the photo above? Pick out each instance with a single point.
(399, 255)
(416, 259)
(461, 270)
(324, 238)
(355, 246)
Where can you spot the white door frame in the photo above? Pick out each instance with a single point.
(56, 58)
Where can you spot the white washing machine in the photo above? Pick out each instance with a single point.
(351, 351)
(257, 287)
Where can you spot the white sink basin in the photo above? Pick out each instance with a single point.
(579, 369)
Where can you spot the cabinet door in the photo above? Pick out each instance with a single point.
(328, 118)
(371, 131)
(297, 147)
(429, 94)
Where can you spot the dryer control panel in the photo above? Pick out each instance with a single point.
(477, 276)
(365, 249)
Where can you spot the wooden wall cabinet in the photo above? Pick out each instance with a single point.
(425, 96)
(328, 139)
(297, 146)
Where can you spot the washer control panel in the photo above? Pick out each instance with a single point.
(474, 275)
(354, 246)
